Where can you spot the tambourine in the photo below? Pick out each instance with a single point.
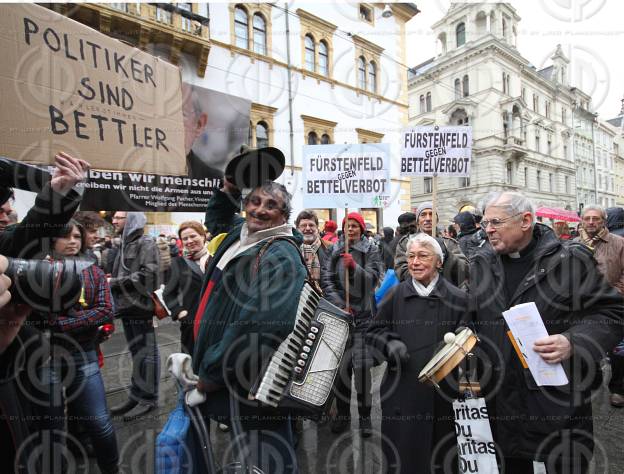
(457, 347)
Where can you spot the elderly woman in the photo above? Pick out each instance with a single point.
(417, 419)
(184, 283)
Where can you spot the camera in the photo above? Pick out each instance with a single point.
(47, 286)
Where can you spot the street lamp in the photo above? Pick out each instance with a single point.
(387, 11)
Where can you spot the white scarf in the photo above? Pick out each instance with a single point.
(423, 290)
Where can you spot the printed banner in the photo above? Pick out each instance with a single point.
(436, 151)
(339, 176)
(215, 126)
(475, 446)
(67, 87)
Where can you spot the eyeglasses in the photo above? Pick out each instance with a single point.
(496, 223)
(423, 257)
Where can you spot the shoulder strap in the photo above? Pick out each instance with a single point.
(265, 247)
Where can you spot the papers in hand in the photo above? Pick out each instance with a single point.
(526, 325)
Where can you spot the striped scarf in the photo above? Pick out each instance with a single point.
(592, 241)
(310, 255)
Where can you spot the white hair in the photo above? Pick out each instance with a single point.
(512, 202)
(426, 241)
(595, 207)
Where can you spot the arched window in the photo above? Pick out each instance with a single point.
(313, 138)
(372, 77)
(422, 103)
(460, 34)
(262, 135)
(466, 85)
(362, 73)
(323, 59)
(459, 117)
(309, 53)
(428, 101)
(325, 140)
(457, 88)
(259, 34)
(240, 27)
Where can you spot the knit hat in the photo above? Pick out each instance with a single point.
(356, 217)
(466, 221)
(330, 226)
(422, 207)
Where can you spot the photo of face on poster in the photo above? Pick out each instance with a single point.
(215, 124)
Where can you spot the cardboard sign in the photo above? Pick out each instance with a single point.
(65, 86)
(475, 446)
(436, 151)
(338, 176)
(220, 124)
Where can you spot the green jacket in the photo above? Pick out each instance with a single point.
(252, 304)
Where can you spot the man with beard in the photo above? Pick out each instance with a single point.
(134, 278)
(247, 308)
(455, 268)
(609, 253)
(525, 262)
(315, 251)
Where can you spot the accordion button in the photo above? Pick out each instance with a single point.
(311, 336)
(301, 362)
(303, 355)
(308, 342)
(306, 349)
(314, 329)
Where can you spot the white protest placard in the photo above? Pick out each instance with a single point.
(339, 176)
(475, 447)
(436, 151)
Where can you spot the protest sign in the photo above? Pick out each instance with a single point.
(68, 87)
(337, 176)
(475, 446)
(436, 151)
(216, 125)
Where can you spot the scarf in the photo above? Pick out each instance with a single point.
(423, 290)
(592, 241)
(200, 257)
(310, 255)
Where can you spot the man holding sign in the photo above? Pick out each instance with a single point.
(540, 428)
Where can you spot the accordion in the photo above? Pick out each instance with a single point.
(301, 373)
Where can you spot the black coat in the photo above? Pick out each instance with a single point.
(573, 299)
(182, 293)
(415, 417)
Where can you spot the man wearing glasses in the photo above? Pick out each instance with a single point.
(550, 426)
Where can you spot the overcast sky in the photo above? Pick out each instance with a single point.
(591, 33)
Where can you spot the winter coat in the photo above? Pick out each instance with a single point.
(455, 268)
(182, 293)
(135, 271)
(362, 281)
(466, 241)
(615, 220)
(609, 253)
(574, 300)
(410, 409)
(247, 308)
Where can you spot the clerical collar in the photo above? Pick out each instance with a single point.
(525, 251)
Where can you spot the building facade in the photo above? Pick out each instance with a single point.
(523, 119)
(317, 73)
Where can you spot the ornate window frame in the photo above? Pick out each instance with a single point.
(319, 30)
(261, 113)
(263, 9)
(319, 126)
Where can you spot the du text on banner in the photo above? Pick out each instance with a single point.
(339, 176)
(436, 151)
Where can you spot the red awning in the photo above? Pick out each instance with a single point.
(557, 214)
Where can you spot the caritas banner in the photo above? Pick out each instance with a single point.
(215, 126)
(475, 446)
(436, 151)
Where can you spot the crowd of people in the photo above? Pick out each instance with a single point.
(233, 284)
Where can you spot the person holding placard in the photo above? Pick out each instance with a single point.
(540, 428)
(412, 318)
(364, 266)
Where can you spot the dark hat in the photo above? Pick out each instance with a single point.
(465, 220)
(407, 217)
(250, 167)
